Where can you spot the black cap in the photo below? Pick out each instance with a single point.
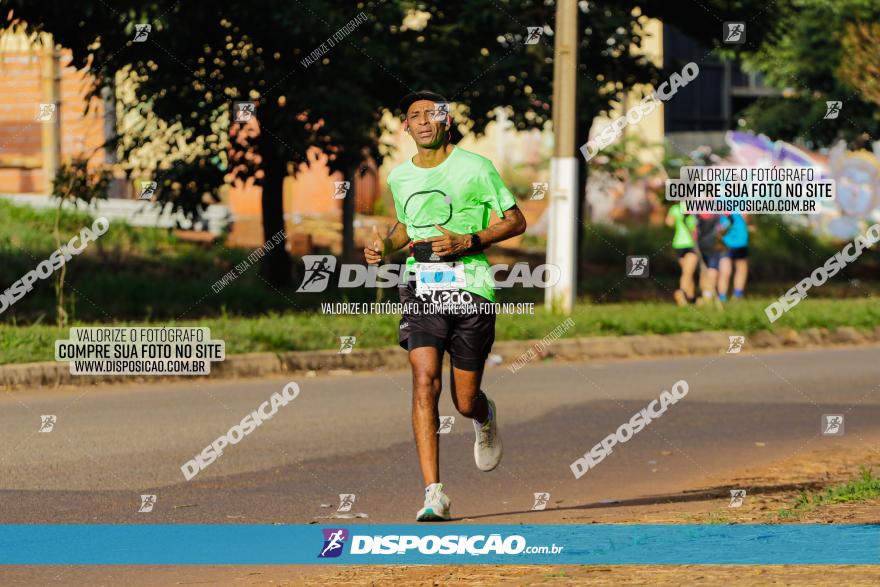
(408, 100)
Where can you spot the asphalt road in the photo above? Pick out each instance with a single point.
(350, 434)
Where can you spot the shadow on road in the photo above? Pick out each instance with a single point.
(688, 496)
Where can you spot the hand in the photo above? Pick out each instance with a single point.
(374, 252)
(450, 243)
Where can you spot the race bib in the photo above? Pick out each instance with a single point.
(439, 277)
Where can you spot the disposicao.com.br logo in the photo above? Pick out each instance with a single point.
(451, 544)
(319, 271)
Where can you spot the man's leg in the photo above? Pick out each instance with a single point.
(466, 395)
(426, 365)
(469, 344)
(725, 268)
(473, 403)
(711, 283)
(740, 276)
(423, 335)
(688, 265)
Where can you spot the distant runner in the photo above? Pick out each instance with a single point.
(444, 197)
(683, 244)
(709, 241)
(736, 259)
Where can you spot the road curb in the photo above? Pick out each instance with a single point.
(511, 353)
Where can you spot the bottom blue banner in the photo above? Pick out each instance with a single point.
(174, 544)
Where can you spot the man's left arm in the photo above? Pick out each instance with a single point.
(513, 223)
(498, 198)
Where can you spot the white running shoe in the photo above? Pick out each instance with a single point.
(436, 507)
(487, 446)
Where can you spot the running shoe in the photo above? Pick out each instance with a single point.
(436, 507)
(487, 446)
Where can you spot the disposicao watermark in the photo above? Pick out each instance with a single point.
(539, 347)
(629, 429)
(645, 107)
(319, 269)
(246, 264)
(750, 190)
(343, 32)
(248, 424)
(56, 260)
(823, 273)
(130, 350)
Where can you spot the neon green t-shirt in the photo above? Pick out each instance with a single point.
(459, 195)
(683, 238)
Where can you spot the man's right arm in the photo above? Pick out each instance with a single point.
(379, 248)
(397, 239)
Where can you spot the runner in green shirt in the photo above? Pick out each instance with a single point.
(456, 196)
(683, 243)
(444, 198)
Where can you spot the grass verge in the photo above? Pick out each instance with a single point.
(295, 331)
(864, 488)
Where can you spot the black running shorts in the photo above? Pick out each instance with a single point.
(466, 329)
(737, 253)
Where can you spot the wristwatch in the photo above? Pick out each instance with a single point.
(476, 244)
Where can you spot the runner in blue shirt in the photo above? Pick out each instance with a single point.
(735, 259)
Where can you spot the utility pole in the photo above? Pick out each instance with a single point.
(563, 221)
(50, 93)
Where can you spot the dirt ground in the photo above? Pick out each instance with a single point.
(770, 489)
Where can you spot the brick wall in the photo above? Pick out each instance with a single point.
(307, 196)
(20, 133)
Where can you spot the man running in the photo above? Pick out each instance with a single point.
(443, 198)
(683, 244)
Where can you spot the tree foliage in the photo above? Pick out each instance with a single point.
(197, 61)
(861, 69)
(807, 56)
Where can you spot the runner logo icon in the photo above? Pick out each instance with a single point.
(737, 496)
(533, 34)
(541, 500)
(736, 344)
(637, 267)
(244, 111)
(341, 188)
(346, 344)
(47, 423)
(148, 189)
(441, 111)
(539, 190)
(334, 540)
(446, 423)
(346, 500)
(141, 32)
(832, 109)
(319, 268)
(734, 33)
(147, 503)
(46, 113)
(832, 424)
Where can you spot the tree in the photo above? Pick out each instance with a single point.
(809, 56)
(467, 36)
(74, 183)
(861, 69)
(195, 63)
